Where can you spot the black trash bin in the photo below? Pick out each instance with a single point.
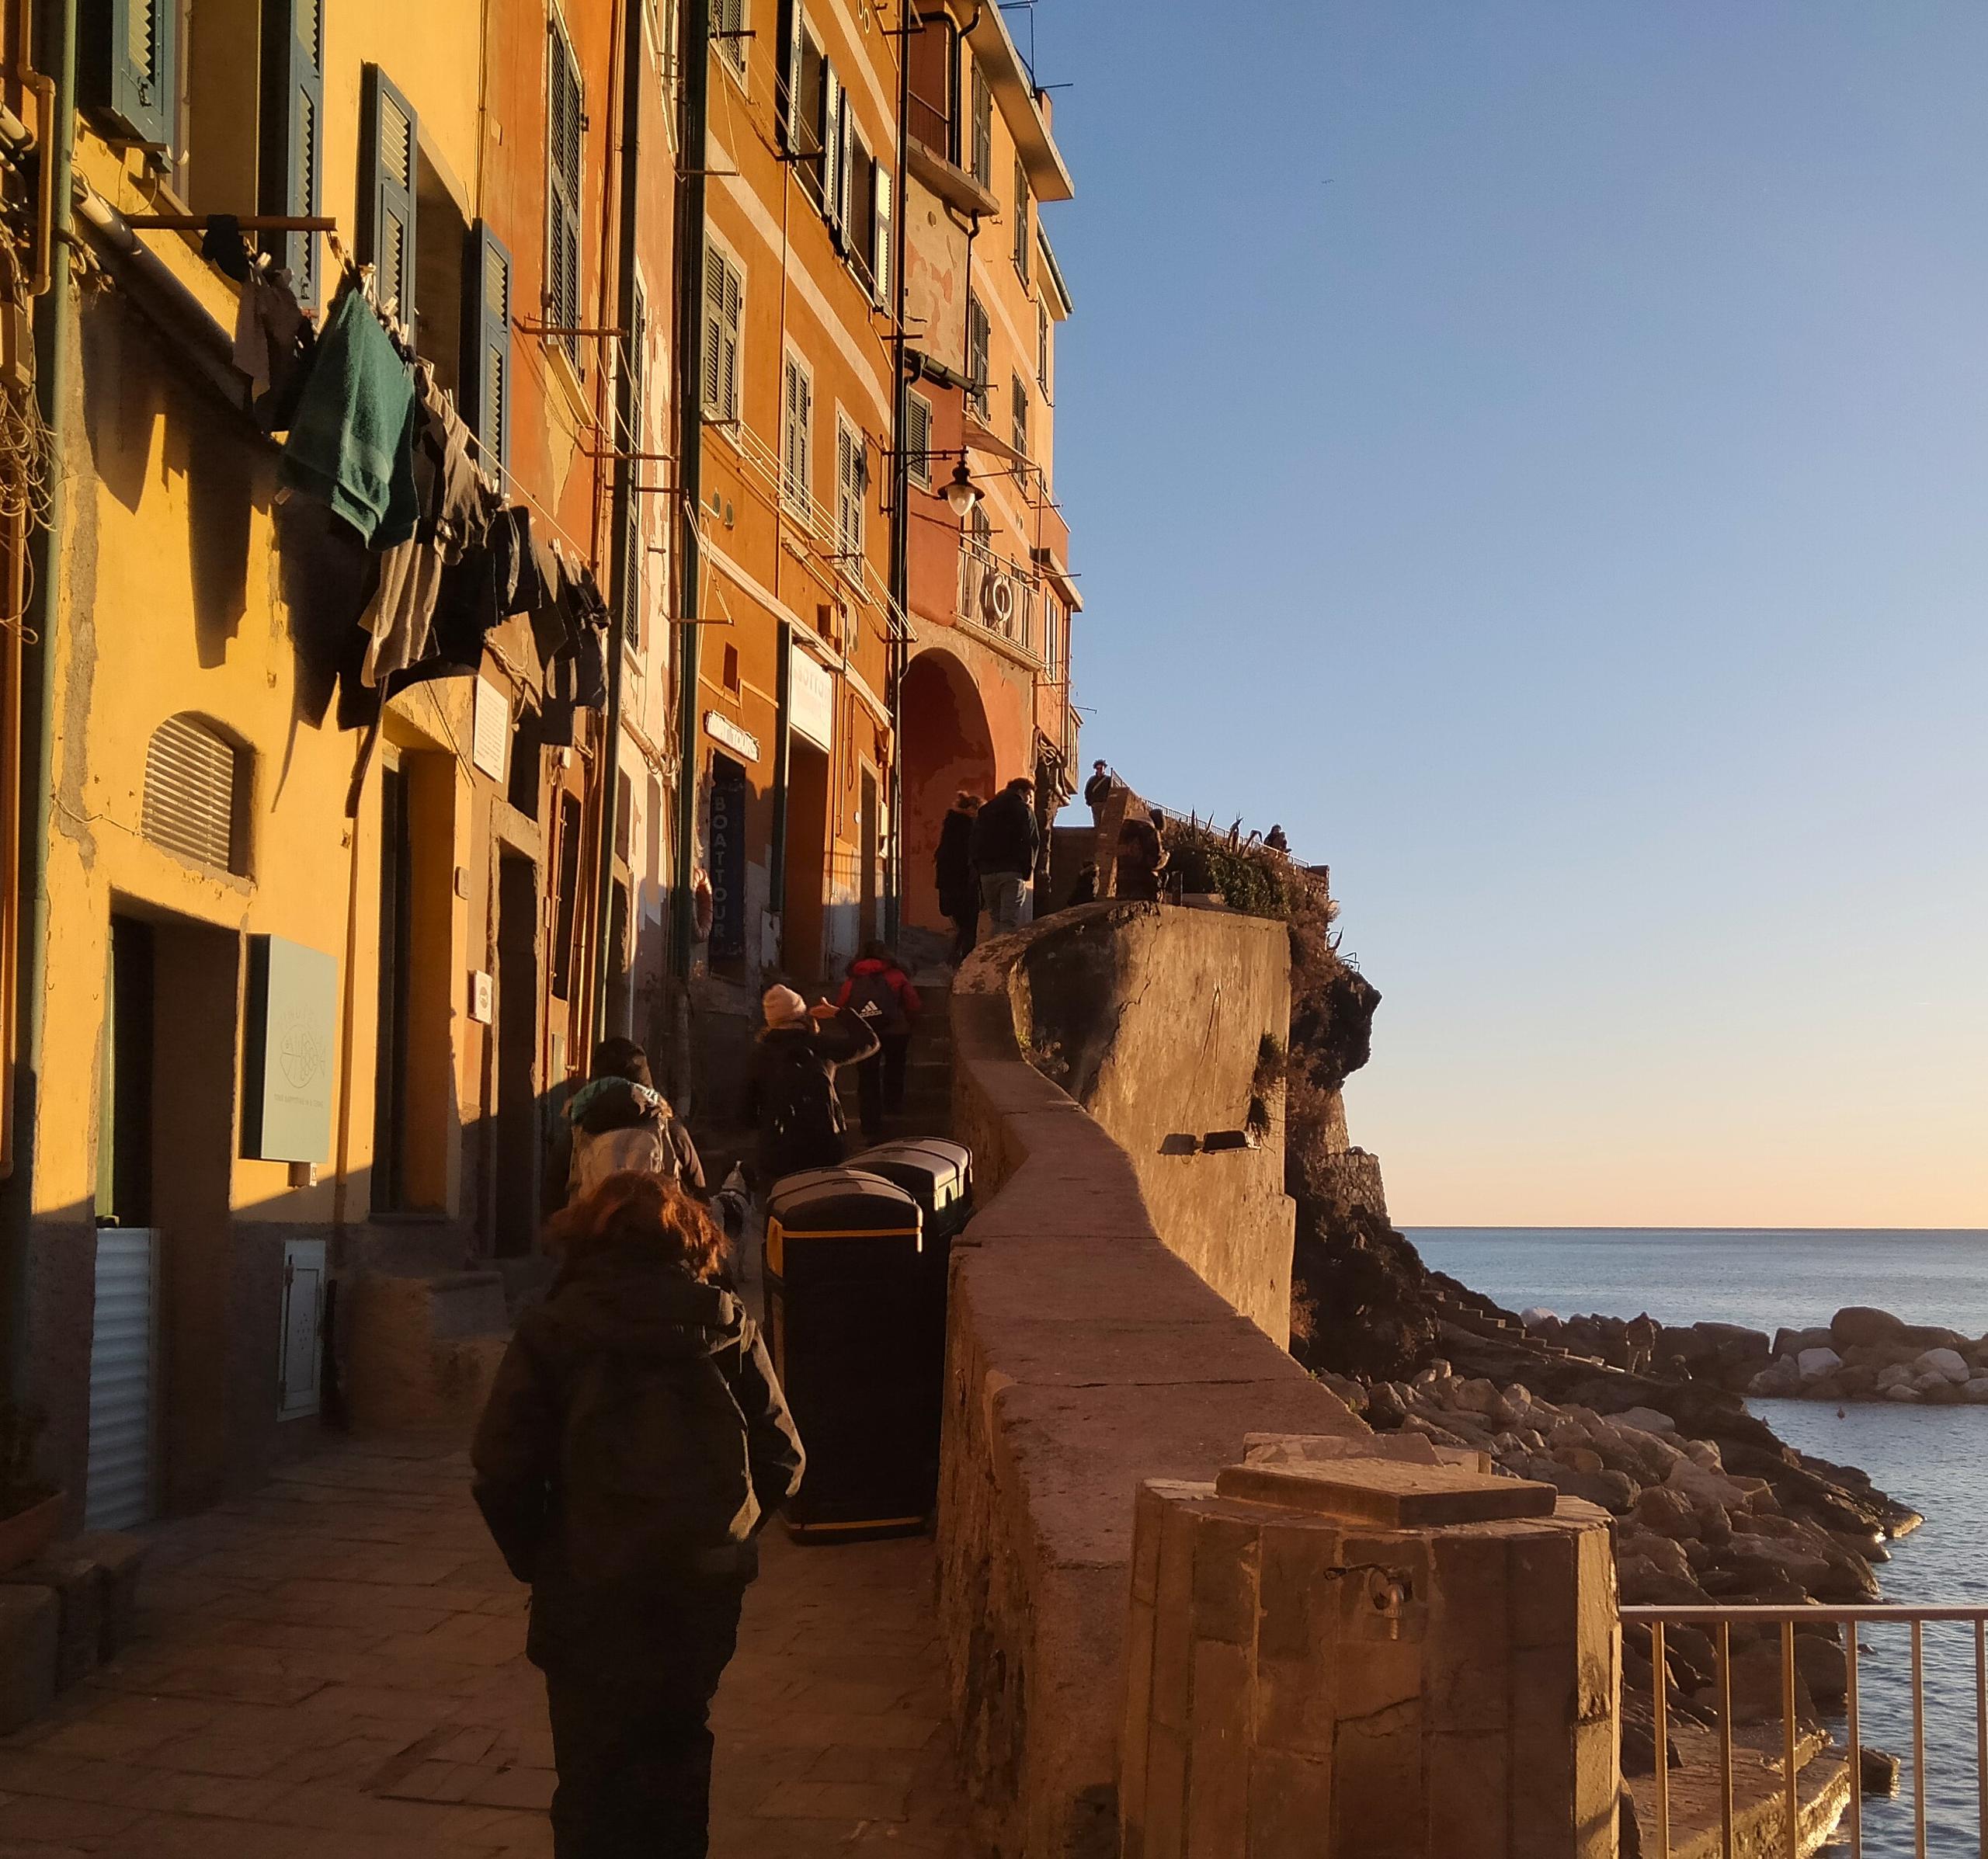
(850, 1313)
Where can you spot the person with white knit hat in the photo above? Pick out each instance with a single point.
(792, 1099)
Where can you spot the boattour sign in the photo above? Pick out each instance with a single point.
(292, 1034)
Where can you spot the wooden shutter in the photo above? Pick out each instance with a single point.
(1021, 219)
(793, 35)
(798, 395)
(834, 146)
(293, 134)
(388, 129)
(880, 233)
(983, 128)
(723, 292)
(128, 66)
(486, 396)
(978, 336)
(1020, 395)
(636, 440)
(1042, 348)
(729, 19)
(918, 438)
(847, 153)
(566, 120)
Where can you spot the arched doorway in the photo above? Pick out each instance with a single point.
(947, 746)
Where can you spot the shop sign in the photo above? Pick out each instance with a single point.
(491, 735)
(720, 729)
(727, 873)
(292, 1035)
(811, 699)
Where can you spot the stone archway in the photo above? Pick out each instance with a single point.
(947, 746)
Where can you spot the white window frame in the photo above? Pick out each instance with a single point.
(798, 492)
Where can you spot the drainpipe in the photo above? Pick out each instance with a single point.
(621, 507)
(54, 352)
(783, 771)
(689, 461)
(900, 577)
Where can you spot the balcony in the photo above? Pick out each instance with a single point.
(998, 598)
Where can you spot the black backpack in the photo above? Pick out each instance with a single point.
(874, 1002)
(654, 1465)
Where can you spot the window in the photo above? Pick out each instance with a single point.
(979, 336)
(1042, 349)
(852, 485)
(127, 68)
(566, 135)
(729, 669)
(293, 112)
(796, 418)
(386, 230)
(486, 396)
(1052, 637)
(983, 128)
(724, 292)
(1020, 432)
(859, 206)
(197, 792)
(787, 115)
(881, 225)
(918, 438)
(834, 131)
(1021, 221)
(932, 53)
(728, 28)
(634, 634)
(807, 82)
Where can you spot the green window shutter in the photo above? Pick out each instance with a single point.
(565, 143)
(834, 145)
(293, 133)
(983, 128)
(387, 131)
(979, 334)
(845, 153)
(1021, 220)
(918, 438)
(486, 395)
(794, 32)
(128, 66)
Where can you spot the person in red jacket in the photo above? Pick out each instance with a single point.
(880, 994)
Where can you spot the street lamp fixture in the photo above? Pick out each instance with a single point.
(961, 494)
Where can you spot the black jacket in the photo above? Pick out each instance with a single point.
(1097, 790)
(791, 1099)
(635, 1437)
(952, 865)
(1005, 837)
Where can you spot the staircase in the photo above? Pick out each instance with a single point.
(928, 1081)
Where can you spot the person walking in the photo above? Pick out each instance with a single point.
(1006, 840)
(618, 1120)
(634, 1444)
(791, 1099)
(1097, 790)
(952, 867)
(880, 994)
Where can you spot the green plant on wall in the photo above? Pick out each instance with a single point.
(1248, 877)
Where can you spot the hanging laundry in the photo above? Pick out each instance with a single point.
(269, 330)
(352, 443)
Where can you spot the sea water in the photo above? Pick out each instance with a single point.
(1934, 1458)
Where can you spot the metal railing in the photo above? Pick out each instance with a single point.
(1719, 1623)
(977, 564)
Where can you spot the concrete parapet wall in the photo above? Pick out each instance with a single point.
(1084, 1357)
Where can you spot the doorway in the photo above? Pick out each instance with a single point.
(517, 1146)
(866, 836)
(948, 748)
(806, 859)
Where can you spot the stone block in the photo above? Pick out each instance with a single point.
(1173, 1619)
(1469, 1777)
(1225, 1577)
(30, 1630)
(1540, 1575)
(1379, 1804)
(1290, 1801)
(77, 1583)
(1218, 1756)
(1296, 1562)
(121, 1557)
(1164, 1827)
(1138, 1705)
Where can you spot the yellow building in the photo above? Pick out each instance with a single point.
(315, 961)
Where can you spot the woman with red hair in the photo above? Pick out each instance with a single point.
(634, 1444)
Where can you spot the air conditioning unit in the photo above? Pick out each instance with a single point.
(997, 600)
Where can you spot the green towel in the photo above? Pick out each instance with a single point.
(352, 441)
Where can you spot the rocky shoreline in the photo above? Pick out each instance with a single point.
(1860, 1354)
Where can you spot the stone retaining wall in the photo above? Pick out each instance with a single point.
(1084, 1357)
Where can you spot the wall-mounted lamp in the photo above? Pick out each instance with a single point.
(961, 494)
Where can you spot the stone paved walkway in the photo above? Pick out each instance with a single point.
(335, 1668)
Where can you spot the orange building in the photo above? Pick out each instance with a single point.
(986, 696)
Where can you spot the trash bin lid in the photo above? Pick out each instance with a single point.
(936, 1173)
(843, 1200)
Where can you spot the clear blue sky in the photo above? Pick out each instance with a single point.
(1539, 453)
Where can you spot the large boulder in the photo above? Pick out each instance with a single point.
(1932, 1335)
(1859, 1323)
(1815, 1363)
(1792, 1342)
(1781, 1377)
(1948, 1363)
(1667, 1512)
(1702, 1486)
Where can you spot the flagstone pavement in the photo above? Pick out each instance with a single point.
(334, 1667)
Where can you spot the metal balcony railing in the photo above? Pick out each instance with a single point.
(999, 597)
(1803, 1827)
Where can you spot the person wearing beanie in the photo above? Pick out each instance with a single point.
(791, 1099)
